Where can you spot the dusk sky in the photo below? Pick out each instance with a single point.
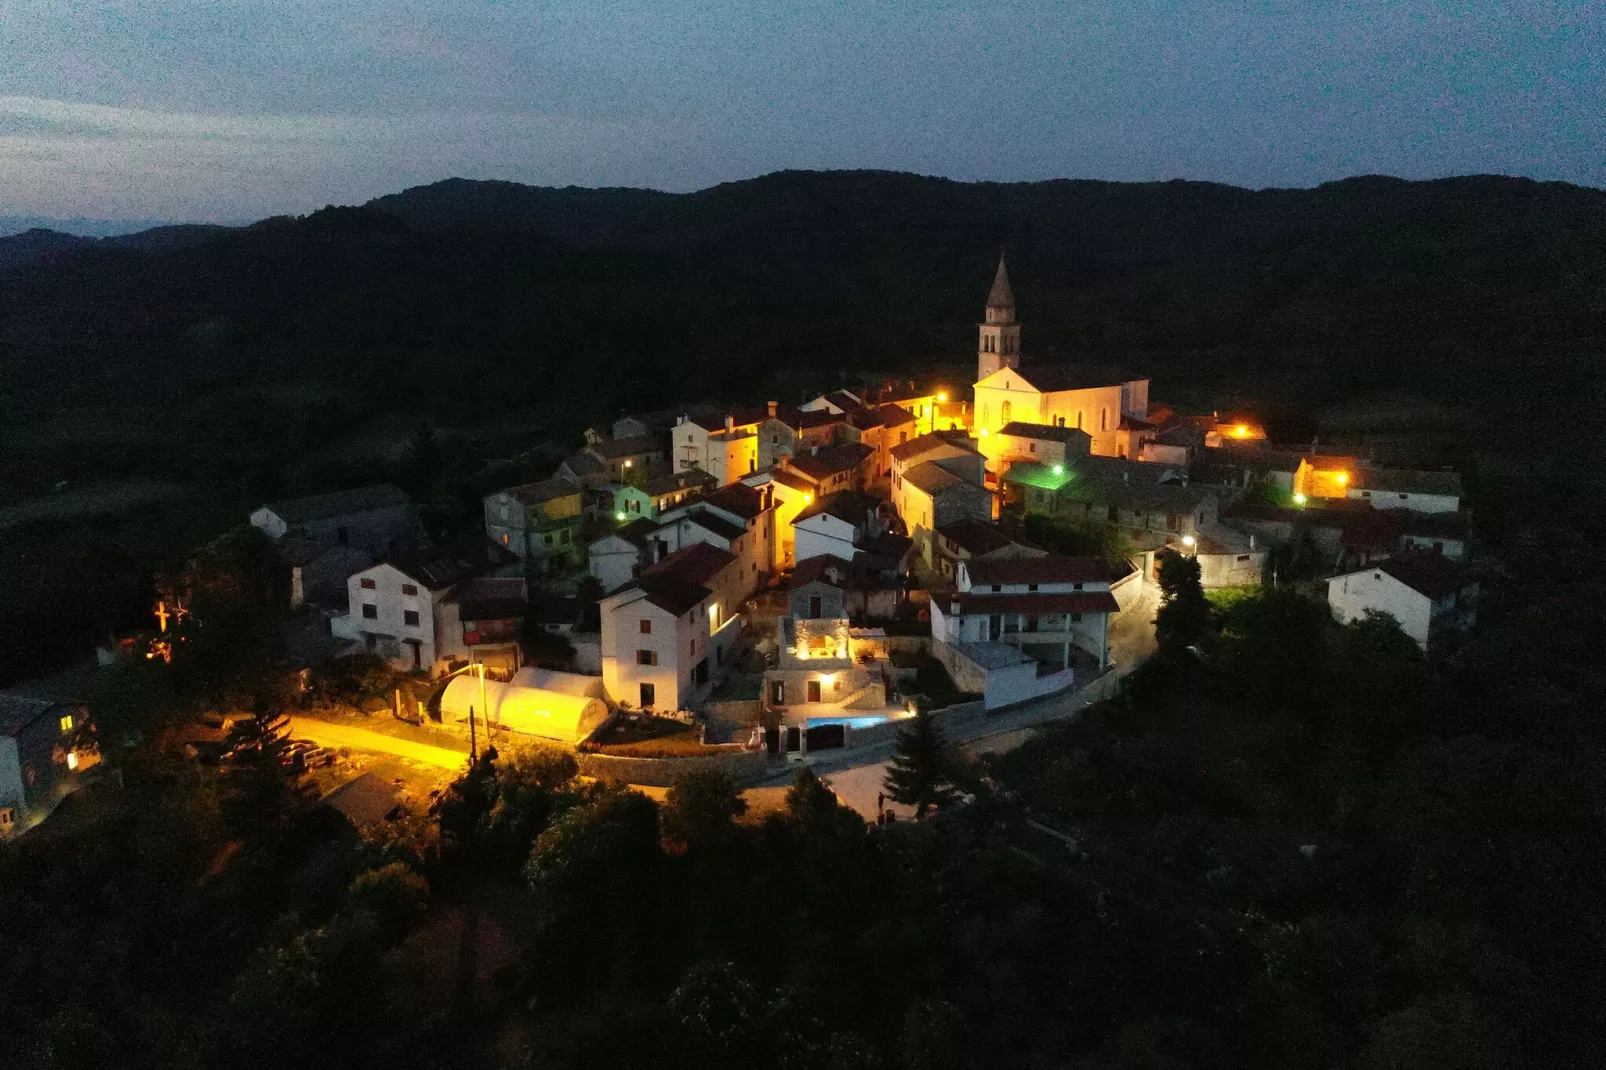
(239, 109)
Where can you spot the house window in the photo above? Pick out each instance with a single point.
(1171, 521)
(814, 607)
(1368, 494)
(1243, 557)
(646, 627)
(408, 588)
(547, 539)
(1007, 411)
(1031, 586)
(1075, 617)
(649, 696)
(366, 585)
(646, 657)
(370, 611)
(1078, 587)
(66, 723)
(812, 693)
(997, 588)
(692, 648)
(410, 617)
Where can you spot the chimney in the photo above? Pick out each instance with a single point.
(730, 424)
(772, 407)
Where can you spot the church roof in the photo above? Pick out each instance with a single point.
(1001, 296)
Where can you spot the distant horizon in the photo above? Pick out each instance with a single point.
(89, 226)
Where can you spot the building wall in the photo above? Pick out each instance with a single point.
(1420, 503)
(622, 637)
(1231, 570)
(775, 440)
(1352, 595)
(613, 561)
(824, 535)
(391, 604)
(688, 447)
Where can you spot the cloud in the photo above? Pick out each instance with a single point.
(89, 158)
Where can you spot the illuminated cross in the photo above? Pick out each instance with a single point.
(162, 614)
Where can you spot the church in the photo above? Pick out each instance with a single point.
(1109, 404)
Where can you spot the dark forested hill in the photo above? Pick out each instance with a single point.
(476, 297)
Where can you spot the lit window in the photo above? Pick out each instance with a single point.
(66, 723)
(72, 760)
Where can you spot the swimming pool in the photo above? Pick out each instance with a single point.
(869, 721)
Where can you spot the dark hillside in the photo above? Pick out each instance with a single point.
(466, 299)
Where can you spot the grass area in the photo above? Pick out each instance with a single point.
(652, 737)
(1224, 598)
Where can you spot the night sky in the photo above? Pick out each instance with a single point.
(234, 109)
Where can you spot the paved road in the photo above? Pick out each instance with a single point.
(326, 734)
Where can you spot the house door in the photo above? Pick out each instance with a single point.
(814, 690)
(995, 625)
(814, 607)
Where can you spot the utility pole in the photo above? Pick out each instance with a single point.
(473, 743)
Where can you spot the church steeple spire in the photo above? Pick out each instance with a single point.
(1001, 296)
(999, 345)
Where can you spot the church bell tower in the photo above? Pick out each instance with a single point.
(999, 345)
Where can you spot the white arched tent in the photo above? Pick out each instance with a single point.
(531, 710)
(570, 683)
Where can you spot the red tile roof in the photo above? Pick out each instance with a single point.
(1029, 604)
(1049, 569)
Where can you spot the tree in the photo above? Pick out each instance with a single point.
(1184, 615)
(1079, 539)
(532, 784)
(702, 807)
(919, 774)
(256, 797)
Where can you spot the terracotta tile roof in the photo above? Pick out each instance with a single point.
(611, 449)
(975, 536)
(1029, 604)
(737, 499)
(1050, 378)
(915, 447)
(544, 491)
(1044, 432)
(697, 563)
(1401, 481)
(931, 477)
(1049, 569)
(338, 503)
(848, 505)
(1433, 575)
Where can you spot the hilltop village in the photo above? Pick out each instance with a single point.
(799, 576)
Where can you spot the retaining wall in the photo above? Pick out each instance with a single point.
(741, 765)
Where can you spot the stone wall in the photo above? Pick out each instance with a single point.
(741, 765)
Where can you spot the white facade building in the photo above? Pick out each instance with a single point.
(1431, 596)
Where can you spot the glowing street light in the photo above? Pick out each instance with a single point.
(1240, 430)
(1299, 499)
(1343, 477)
(619, 517)
(942, 397)
(1059, 469)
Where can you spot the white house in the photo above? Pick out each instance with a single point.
(669, 632)
(1432, 597)
(736, 517)
(1422, 492)
(835, 524)
(424, 615)
(617, 557)
(736, 444)
(1050, 607)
